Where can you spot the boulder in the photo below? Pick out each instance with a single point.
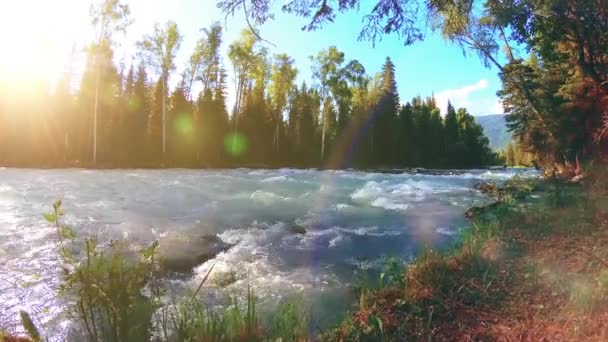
(578, 178)
(486, 188)
(296, 229)
(180, 252)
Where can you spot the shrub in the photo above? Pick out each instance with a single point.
(109, 293)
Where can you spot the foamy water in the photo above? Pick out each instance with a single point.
(351, 218)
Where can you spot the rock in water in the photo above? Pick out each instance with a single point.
(486, 188)
(296, 229)
(180, 252)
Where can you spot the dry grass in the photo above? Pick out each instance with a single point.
(530, 272)
(555, 294)
(558, 285)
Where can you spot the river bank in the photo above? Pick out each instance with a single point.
(532, 269)
(174, 166)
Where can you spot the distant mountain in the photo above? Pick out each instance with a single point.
(495, 128)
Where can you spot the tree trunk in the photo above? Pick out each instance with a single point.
(95, 109)
(164, 119)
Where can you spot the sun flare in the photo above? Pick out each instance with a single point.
(36, 35)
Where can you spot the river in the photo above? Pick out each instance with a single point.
(352, 220)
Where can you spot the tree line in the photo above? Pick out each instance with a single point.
(552, 57)
(515, 155)
(129, 116)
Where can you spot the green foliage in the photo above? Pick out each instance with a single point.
(392, 272)
(347, 119)
(29, 326)
(555, 101)
(191, 320)
(290, 321)
(105, 286)
(555, 98)
(430, 141)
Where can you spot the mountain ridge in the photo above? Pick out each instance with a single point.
(495, 128)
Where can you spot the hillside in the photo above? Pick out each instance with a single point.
(495, 128)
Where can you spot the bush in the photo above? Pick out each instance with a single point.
(109, 294)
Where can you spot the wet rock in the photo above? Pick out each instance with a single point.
(180, 252)
(296, 229)
(578, 178)
(474, 212)
(471, 212)
(485, 187)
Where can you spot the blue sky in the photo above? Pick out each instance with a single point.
(433, 66)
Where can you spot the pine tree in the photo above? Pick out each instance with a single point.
(204, 129)
(155, 122)
(436, 136)
(384, 116)
(129, 88)
(407, 146)
(422, 117)
(220, 118)
(451, 125)
(180, 130)
(453, 149)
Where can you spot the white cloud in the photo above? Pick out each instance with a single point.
(497, 107)
(459, 97)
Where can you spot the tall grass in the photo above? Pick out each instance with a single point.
(191, 320)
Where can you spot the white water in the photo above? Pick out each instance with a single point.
(350, 217)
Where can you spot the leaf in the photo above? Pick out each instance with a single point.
(203, 281)
(29, 326)
(67, 232)
(57, 205)
(50, 217)
(65, 253)
(379, 322)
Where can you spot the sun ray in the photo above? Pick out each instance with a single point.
(36, 35)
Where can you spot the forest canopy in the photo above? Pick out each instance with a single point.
(131, 116)
(552, 57)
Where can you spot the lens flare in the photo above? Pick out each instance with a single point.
(183, 123)
(235, 144)
(134, 104)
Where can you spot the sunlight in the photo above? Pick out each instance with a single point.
(36, 36)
